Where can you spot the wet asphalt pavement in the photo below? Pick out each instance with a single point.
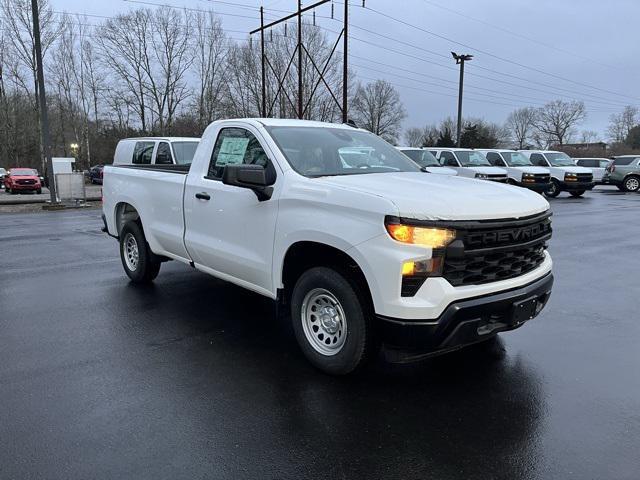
(195, 378)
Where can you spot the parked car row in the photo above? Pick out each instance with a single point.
(543, 171)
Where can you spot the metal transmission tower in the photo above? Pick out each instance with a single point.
(460, 59)
(300, 51)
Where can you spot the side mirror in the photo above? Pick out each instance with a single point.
(254, 177)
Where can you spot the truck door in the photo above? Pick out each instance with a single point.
(228, 231)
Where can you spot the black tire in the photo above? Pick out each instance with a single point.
(631, 183)
(554, 189)
(147, 266)
(577, 193)
(7, 190)
(621, 188)
(358, 344)
(39, 191)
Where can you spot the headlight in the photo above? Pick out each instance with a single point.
(483, 176)
(528, 175)
(423, 236)
(570, 177)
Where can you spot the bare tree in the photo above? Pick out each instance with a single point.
(621, 123)
(520, 124)
(588, 136)
(210, 66)
(558, 118)
(377, 107)
(413, 137)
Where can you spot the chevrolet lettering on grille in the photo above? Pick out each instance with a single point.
(513, 235)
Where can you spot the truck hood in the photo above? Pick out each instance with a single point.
(441, 170)
(488, 170)
(442, 197)
(532, 169)
(575, 169)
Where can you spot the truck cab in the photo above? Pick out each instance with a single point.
(469, 163)
(565, 175)
(426, 161)
(519, 168)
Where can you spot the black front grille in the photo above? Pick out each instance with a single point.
(497, 177)
(25, 182)
(585, 177)
(491, 251)
(541, 177)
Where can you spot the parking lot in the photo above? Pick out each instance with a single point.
(195, 378)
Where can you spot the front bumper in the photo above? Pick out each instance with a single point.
(26, 188)
(576, 186)
(465, 322)
(536, 187)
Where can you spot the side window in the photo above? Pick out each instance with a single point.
(604, 163)
(538, 159)
(163, 154)
(495, 159)
(448, 159)
(143, 152)
(235, 146)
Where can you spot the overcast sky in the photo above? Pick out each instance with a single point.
(571, 49)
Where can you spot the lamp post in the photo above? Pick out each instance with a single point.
(460, 59)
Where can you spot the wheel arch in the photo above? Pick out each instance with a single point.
(124, 212)
(302, 255)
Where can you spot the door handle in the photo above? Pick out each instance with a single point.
(203, 196)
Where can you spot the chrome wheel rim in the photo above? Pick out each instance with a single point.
(632, 184)
(323, 322)
(131, 255)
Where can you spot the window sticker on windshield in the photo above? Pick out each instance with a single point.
(232, 151)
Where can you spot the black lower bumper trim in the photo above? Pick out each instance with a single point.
(536, 187)
(467, 321)
(576, 186)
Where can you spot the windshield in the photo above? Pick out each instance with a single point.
(184, 152)
(516, 159)
(423, 158)
(21, 172)
(469, 158)
(559, 159)
(321, 151)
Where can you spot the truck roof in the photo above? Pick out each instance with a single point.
(290, 122)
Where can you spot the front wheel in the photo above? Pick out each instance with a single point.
(332, 321)
(577, 193)
(554, 189)
(139, 262)
(39, 191)
(632, 183)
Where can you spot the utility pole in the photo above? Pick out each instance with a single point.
(345, 62)
(264, 83)
(300, 92)
(44, 117)
(460, 59)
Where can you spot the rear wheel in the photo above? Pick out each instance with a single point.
(554, 189)
(632, 183)
(139, 262)
(577, 193)
(332, 321)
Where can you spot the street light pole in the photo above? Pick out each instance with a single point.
(44, 117)
(460, 59)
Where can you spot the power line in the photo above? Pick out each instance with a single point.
(442, 37)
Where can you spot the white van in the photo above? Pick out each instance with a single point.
(469, 163)
(426, 161)
(565, 175)
(519, 168)
(164, 151)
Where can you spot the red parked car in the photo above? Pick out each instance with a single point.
(22, 180)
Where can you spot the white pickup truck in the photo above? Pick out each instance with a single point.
(365, 250)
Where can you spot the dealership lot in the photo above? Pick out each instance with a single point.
(192, 377)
